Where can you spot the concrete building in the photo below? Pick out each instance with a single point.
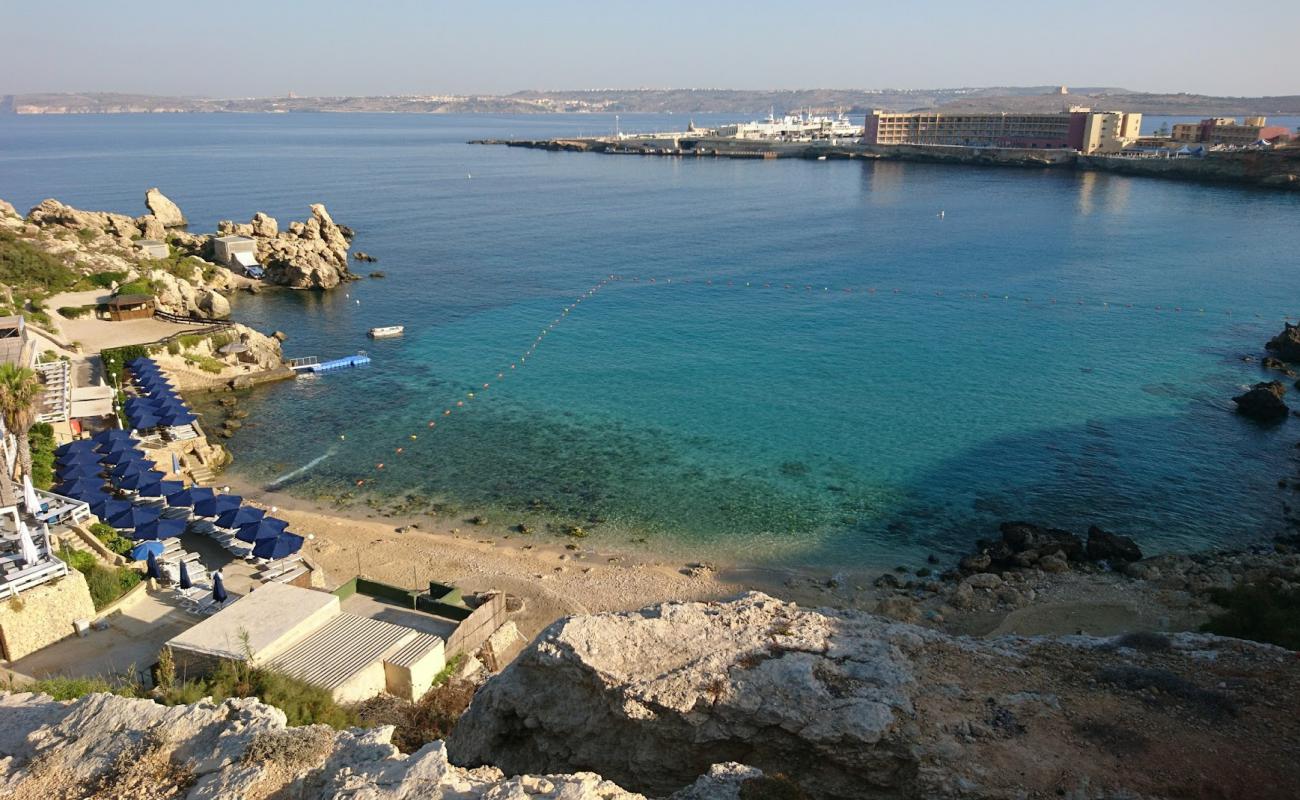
(306, 634)
(1228, 131)
(237, 252)
(1079, 129)
(15, 345)
(152, 248)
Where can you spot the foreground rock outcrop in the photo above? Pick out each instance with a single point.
(851, 705)
(105, 746)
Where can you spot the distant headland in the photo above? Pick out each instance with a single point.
(676, 101)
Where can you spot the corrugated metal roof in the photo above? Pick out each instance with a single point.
(340, 649)
(420, 647)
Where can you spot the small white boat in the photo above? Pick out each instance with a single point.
(386, 331)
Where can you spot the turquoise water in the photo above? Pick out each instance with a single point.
(1040, 351)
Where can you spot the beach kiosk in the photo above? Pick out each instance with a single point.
(129, 306)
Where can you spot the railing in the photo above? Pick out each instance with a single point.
(306, 361)
(213, 322)
(32, 577)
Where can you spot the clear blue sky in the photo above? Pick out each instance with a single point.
(241, 48)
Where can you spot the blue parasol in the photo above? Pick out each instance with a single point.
(144, 549)
(267, 528)
(185, 577)
(218, 589)
(161, 528)
(239, 517)
(134, 517)
(219, 504)
(151, 567)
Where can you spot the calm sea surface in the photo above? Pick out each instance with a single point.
(1039, 351)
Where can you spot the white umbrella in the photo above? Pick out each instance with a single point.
(29, 496)
(26, 547)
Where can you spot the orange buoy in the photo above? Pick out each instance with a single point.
(380, 465)
(399, 450)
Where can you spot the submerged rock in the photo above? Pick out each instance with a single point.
(1104, 546)
(1263, 402)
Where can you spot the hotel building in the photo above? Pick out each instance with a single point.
(1079, 129)
(1226, 130)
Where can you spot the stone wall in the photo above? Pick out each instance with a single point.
(41, 616)
(477, 627)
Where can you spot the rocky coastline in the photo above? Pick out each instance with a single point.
(1274, 169)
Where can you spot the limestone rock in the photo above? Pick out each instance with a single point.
(850, 705)
(163, 209)
(113, 746)
(1286, 344)
(213, 304)
(151, 227)
(7, 210)
(264, 225)
(1263, 402)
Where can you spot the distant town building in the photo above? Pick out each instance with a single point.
(1079, 129)
(1227, 130)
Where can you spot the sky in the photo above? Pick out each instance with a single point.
(267, 48)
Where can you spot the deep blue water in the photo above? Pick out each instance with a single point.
(1011, 362)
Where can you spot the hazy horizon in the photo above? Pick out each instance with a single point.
(332, 48)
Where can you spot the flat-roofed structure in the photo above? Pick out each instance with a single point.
(1079, 129)
(15, 346)
(306, 634)
(239, 253)
(152, 248)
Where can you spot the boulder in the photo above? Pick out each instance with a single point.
(1263, 402)
(1286, 345)
(163, 209)
(107, 746)
(213, 304)
(7, 209)
(1111, 547)
(264, 225)
(850, 705)
(1021, 537)
(151, 227)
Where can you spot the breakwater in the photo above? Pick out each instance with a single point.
(1271, 169)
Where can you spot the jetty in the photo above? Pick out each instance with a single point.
(314, 364)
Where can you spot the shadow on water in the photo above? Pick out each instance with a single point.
(1161, 480)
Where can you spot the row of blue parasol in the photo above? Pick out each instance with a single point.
(153, 570)
(159, 406)
(87, 468)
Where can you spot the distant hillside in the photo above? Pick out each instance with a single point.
(680, 101)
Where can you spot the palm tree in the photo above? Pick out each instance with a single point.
(20, 393)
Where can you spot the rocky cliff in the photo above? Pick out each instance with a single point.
(307, 255)
(851, 705)
(103, 746)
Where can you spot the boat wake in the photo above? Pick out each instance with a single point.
(300, 471)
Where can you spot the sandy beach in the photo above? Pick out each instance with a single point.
(554, 575)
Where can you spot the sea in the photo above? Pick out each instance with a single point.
(793, 363)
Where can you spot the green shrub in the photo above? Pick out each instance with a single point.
(207, 363)
(105, 280)
(136, 287)
(75, 312)
(79, 560)
(115, 358)
(87, 234)
(111, 538)
(41, 439)
(1261, 612)
(70, 688)
(174, 347)
(24, 265)
(301, 702)
(109, 583)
